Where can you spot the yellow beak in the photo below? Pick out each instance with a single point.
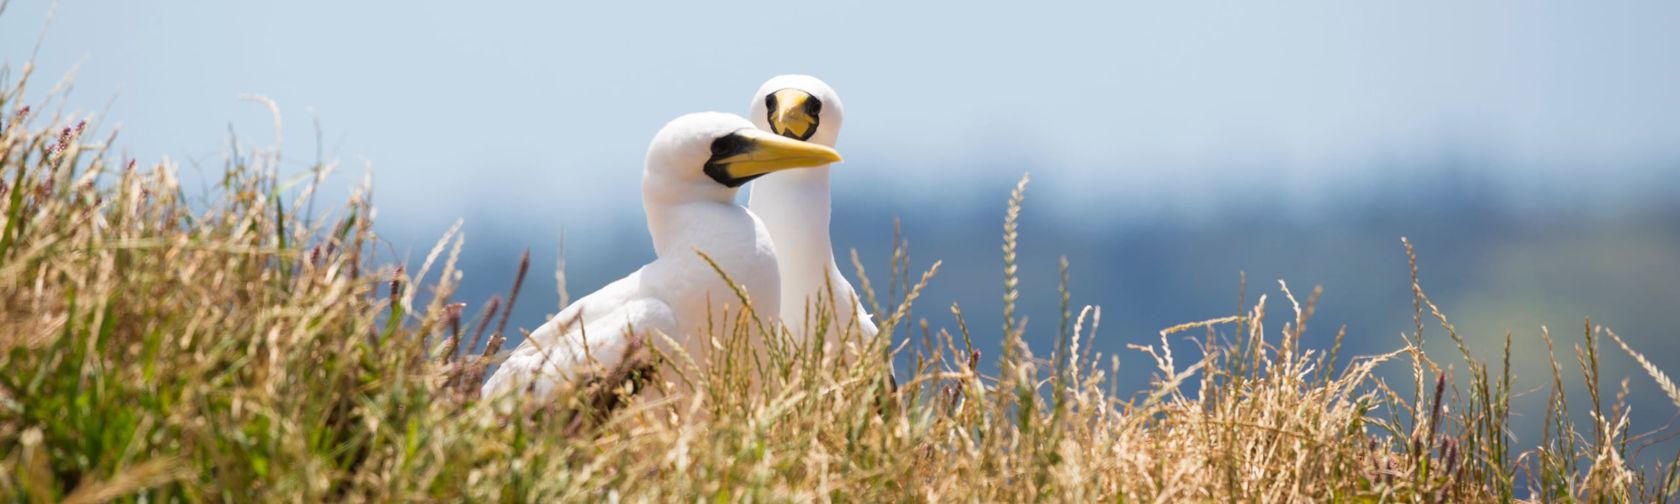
(765, 152)
(790, 118)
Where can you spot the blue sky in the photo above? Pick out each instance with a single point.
(521, 108)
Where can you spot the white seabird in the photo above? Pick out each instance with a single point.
(695, 166)
(796, 208)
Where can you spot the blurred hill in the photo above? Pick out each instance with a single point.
(1491, 265)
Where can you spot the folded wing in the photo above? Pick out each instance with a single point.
(590, 337)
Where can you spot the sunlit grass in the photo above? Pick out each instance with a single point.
(245, 348)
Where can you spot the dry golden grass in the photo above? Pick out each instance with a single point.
(233, 349)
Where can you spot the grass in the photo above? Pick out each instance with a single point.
(239, 349)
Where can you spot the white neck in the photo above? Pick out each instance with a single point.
(795, 208)
(663, 226)
(671, 207)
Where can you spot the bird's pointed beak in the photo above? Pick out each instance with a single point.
(762, 152)
(791, 117)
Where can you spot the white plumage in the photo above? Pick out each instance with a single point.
(694, 168)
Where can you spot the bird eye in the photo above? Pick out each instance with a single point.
(770, 101)
(728, 144)
(813, 107)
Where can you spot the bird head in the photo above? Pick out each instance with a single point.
(800, 107)
(711, 154)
